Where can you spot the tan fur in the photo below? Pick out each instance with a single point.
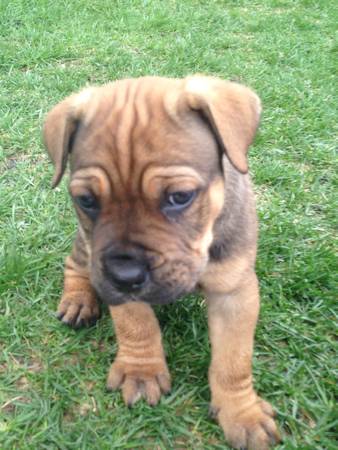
(232, 315)
(236, 270)
(99, 183)
(155, 179)
(131, 143)
(78, 305)
(139, 368)
(216, 201)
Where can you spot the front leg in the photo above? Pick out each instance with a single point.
(245, 418)
(78, 305)
(140, 367)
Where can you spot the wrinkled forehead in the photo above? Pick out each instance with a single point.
(134, 131)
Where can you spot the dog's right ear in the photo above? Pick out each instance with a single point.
(60, 127)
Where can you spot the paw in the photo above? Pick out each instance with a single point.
(249, 428)
(137, 379)
(78, 309)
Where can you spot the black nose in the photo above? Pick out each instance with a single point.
(126, 273)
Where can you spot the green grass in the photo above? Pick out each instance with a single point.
(52, 379)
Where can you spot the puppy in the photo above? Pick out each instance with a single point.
(160, 186)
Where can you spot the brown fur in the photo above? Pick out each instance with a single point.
(130, 143)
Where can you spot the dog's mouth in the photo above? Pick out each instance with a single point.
(151, 291)
(155, 296)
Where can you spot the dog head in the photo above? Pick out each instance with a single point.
(146, 176)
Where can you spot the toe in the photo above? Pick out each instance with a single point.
(77, 313)
(258, 439)
(152, 392)
(131, 391)
(267, 408)
(164, 382)
(62, 309)
(71, 315)
(213, 412)
(270, 428)
(115, 377)
(86, 317)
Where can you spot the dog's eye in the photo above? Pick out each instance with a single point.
(88, 203)
(177, 201)
(180, 198)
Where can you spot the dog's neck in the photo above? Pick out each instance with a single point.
(234, 228)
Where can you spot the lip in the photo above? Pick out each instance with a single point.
(153, 295)
(136, 287)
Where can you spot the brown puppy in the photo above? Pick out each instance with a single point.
(160, 185)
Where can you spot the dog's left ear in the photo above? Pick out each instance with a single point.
(232, 110)
(60, 127)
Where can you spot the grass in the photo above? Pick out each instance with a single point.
(52, 379)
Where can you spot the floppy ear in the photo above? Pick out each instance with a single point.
(232, 110)
(60, 128)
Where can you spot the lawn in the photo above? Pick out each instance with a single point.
(52, 379)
